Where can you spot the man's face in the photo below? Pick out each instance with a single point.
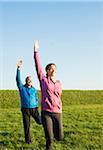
(29, 81)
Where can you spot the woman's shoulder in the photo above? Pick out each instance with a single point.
(58, 81)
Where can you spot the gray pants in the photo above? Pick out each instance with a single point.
(52, 124)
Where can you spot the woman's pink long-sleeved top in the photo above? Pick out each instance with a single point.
(50, 91)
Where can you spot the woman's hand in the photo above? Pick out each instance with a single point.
(36, 46)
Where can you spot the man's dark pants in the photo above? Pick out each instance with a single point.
(26, 113)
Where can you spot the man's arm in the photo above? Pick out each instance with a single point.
(37, 61)
(18, 80)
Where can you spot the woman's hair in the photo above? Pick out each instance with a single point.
(48, 66)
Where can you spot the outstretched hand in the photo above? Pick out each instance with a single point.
(36, 45)
(19, 64)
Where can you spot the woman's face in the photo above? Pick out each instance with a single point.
(51, 71)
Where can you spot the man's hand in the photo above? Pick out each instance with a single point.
(36, 46)
(19, 64)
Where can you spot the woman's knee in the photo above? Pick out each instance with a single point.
(60, 138)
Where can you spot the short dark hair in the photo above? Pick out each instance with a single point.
(26, 79)
(48, 66)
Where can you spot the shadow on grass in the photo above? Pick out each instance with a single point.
(10, 141)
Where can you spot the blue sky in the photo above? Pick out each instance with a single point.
(70, 35)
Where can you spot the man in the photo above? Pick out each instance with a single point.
(29, 102)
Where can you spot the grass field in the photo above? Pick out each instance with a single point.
(82, 122)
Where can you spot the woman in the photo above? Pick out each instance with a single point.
(51, 104)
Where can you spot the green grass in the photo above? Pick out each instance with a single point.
(82, 122)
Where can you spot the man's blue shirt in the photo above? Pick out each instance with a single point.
(28, 96)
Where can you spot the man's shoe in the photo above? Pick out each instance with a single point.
(28, 142)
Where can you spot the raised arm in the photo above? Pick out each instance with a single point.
(37, 61)
(18, 79)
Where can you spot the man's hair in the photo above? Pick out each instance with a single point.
(26, 79)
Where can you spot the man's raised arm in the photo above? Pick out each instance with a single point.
(18, 79)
